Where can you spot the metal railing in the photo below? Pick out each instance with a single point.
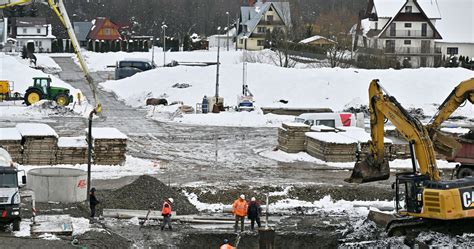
(412, 50)
(410, 33)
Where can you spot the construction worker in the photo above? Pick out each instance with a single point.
(254, 211)
(92, 202)
(226, 245)
(239, 208)
(166, 212)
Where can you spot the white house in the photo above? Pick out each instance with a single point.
(34, 29)
(403, 29)
(255, 21)
(457, 28)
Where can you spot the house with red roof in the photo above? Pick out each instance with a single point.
(104, 29)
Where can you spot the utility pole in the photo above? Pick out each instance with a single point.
(228, 19)
(164, 43)
(218, 54)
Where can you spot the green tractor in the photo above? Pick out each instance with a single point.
(42, 89)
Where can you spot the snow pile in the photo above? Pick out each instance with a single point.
(247, 119)
(43, 62)
(204, 207)
(48, 236)
(10, 134)
(133, 167)
(326, 204)
(455, 130)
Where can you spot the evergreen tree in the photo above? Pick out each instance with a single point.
(60, 45)
(146, 46)
(124, 46)
(107, 46)
(131, 46)
(54, 46)
(90, 45)
(97, 46)
(187, 43)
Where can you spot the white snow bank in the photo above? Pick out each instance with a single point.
(107, 133)
(132, 167)
(244, 119)
(7, 134)
(456, 130)
(72, 142)
(204, 207)
(36, 130)
(44, 61)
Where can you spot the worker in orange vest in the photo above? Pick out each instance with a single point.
(226, 245)
(239, 208)
(166, 212)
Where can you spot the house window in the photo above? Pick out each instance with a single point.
(452, 51)
(261, 29)
(376, 25)
(408, 9)
(407, 25)
(24, 31)
(424, 29)
(407, 42)
(107, 31)
(270, 18)
(38, 31)
(40, 44)
(393, 29)
(241, 41)
(260, 43)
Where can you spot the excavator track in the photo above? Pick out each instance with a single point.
(413, 226)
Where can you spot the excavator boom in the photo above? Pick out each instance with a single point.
(375, 167)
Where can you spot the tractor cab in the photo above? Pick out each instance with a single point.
(42, 89)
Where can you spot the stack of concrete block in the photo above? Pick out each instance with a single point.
(10, 140)
(40, 144)
(72, 150)
(331, 147)
(291, 137)
(110, 146)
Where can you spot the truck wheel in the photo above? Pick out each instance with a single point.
(32, 97)
(465, 171)
(16, 225)
(62, 99)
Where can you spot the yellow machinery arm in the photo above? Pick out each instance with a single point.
(59, 9)
(375, 167)
(464, 91)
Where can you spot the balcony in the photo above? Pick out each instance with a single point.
(412, 50)
(410, 34)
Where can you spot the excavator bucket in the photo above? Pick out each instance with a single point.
(445, 144)
(369, 171)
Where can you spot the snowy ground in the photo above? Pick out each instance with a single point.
(311, 87)
(13, 68)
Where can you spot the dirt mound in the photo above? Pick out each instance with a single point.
(146, 192)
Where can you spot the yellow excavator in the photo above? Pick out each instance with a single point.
(461, 149)
(59, 9)
(422, 198)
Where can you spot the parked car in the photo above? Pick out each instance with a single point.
(327, 119)
(128, 67)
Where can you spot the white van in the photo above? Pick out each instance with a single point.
(328, 119)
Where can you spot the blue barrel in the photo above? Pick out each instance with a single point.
(205, 105)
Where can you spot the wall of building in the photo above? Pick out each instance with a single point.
(38, 30)
(42, 45)
(464, 49)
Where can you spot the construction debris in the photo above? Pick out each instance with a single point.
(145, 193)
(291, 137)
(110, 146)
(39, 144)
(72, 150)
(10, 140)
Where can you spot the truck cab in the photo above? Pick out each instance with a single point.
(9, 192)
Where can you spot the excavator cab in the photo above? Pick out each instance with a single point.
(409, 192)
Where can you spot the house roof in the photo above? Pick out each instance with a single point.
(82, 29)
(97, 24)
(457, 21)
(389, 8)
(251, 16)
(315, 38)
(30, 21)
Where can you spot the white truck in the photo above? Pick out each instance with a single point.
(9, 192)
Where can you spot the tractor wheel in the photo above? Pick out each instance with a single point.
(32, 97)
(62, 99)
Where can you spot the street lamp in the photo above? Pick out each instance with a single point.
(164, 43)
(153, 44)
(228, 19)
(218, 54)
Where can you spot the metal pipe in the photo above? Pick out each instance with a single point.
(89, 152)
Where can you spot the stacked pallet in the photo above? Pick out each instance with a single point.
(291, 137)
(110, 146)
(72, 150)
(40, 144)
(10, 140)
(331, 147)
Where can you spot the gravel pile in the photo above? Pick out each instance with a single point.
(145, 192)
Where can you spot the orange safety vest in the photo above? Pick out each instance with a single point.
(227, 246)
(166, 210)
(240, 208)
